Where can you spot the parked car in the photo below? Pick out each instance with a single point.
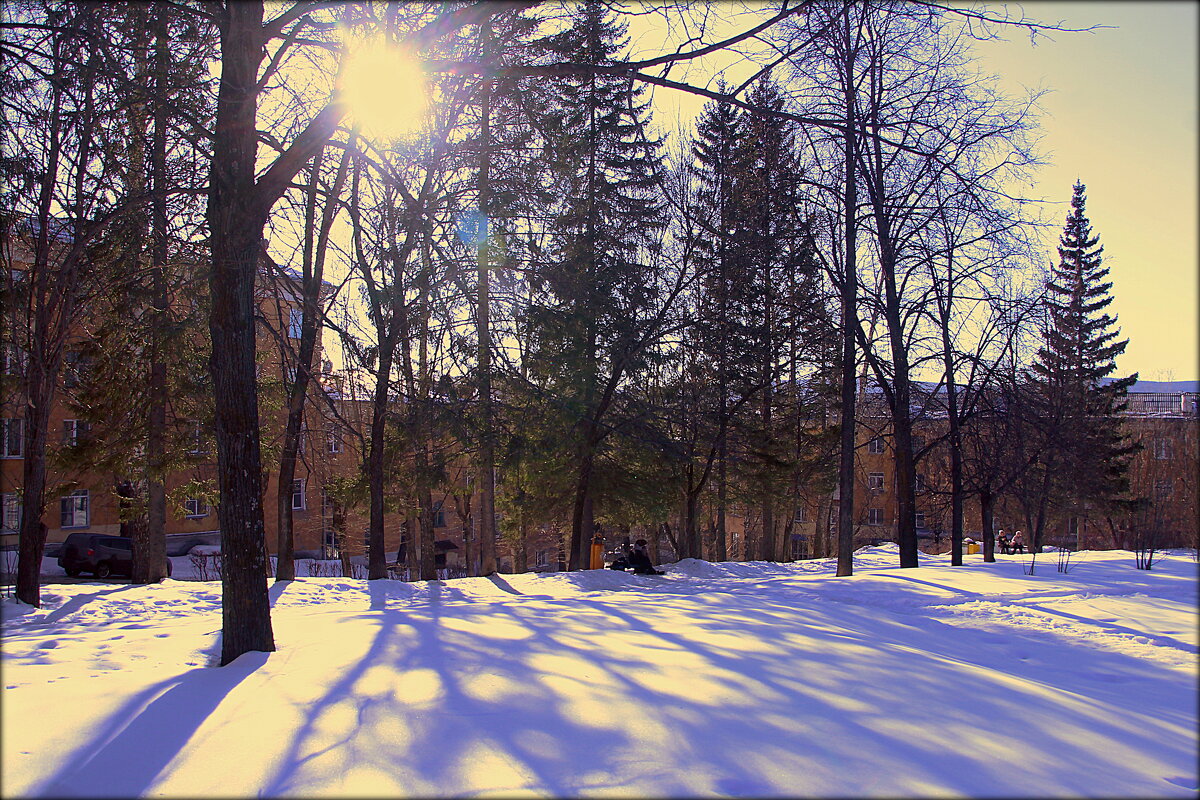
(98, 554)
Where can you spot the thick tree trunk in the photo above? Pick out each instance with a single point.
(987, 507)
(376, 557)
(236, 221)
(150, 547)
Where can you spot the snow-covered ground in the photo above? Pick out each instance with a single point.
(713, 680)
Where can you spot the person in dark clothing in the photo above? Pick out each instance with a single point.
(640, 561)
(622, 563)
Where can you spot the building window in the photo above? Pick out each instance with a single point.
(919, 483)
(326, 503)
(197, 437)
(12, 360)
(298, 495)
(439, 516)
(875, 481)
(74, 509)
(541, 558)
(1162, 489)
(1073, 526)
(801, 514)
(334, 441)
(13, 433)
(195, 507)
(920, 520)
(875, 516)
(875, 445)
(1162, 449)
(289, 374)
(74, 369)
(295, 322)
(74, 432)
(12, 512)
(329, 543)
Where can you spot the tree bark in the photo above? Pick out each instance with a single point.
(236, 219)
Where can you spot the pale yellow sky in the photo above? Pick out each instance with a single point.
(1122, 117)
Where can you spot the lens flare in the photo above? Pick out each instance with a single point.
(385, 90)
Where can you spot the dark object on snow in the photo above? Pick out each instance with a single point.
(621, 563)
(101, 555)
(641, 562)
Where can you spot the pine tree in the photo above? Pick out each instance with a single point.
(590, 324)
(1087, 456)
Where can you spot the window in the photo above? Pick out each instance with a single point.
(875, 445)
(439, 516)
(329, 543)
(195, 507)
(13, 433)
(1162, 489)
(74, 432)
(12, 512)
(920, 520)
(197, 439)
(1073, 526)
(12, 360)
(75, 369)
(875, 481)
(334, 441)
(1162, 449)
(919, 483)
(74, 508)
(326, 503)
(295, 322)
(541, 558)
(289, 373)
(875, 516)
(298, 495)
(801, 514)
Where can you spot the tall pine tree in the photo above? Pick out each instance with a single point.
(1086, 457)
(591, 326)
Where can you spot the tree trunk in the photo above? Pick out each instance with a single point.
(150, 547)
(987, 506)
(487, 459)
(849, 292)
(236, 222)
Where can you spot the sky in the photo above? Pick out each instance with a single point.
(1121, 115)
(713, 680)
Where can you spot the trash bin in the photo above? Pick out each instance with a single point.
(972, 549)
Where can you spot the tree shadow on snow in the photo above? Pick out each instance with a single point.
(135, 744)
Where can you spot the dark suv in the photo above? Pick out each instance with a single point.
(98, 554)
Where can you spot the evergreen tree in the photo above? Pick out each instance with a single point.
(591, 323)
(1086, 458)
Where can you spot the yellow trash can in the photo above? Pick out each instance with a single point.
(972, 549)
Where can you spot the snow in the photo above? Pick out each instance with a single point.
(712, 680)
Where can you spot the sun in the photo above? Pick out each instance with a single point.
(385, 90)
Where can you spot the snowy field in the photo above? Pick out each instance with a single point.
(713, 680)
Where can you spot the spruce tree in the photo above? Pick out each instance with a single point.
(1087, 455)
(599, 283)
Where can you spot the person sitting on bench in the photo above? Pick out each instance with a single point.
(640, 561)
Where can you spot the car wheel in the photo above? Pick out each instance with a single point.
(72, 571)
(103, 570)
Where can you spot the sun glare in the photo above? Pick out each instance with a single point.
(385, 90)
